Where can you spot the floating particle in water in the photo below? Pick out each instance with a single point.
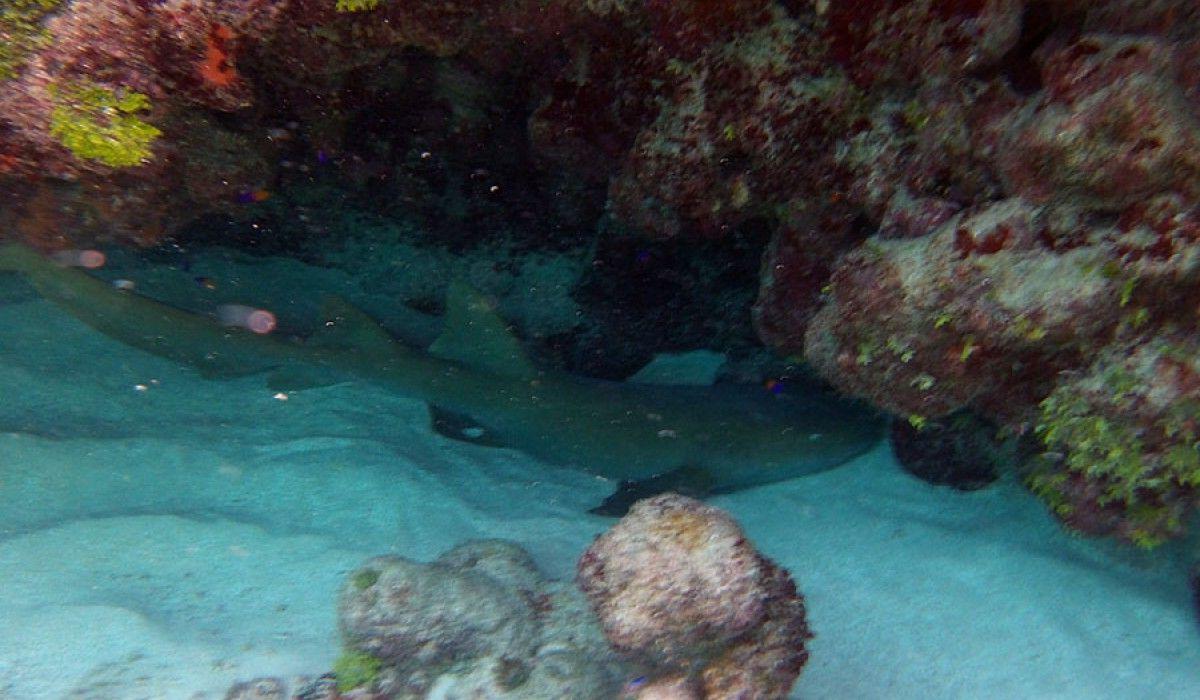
(87, 259)
(252, 319)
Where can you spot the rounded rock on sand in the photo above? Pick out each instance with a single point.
(672, 579)
(500, 560)
(431, 616)
(676, 583)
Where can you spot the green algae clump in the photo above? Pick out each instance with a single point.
(364, 579)
(1135, 446)
(21, 32)
(355, 669)
(101, 124)
(356, 5)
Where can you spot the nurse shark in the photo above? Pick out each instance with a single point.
(698, 440)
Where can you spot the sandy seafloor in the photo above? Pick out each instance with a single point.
(165, 543)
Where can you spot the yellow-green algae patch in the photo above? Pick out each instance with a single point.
(101, 124)
(22, 32)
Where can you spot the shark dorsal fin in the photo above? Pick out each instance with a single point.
(474, 334)
(693, 368)
(344, 327)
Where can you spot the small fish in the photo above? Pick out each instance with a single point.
(633, 686)
(205, 282)
(775, 386)
(253, 196)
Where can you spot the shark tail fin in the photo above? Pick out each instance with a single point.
(474, 334)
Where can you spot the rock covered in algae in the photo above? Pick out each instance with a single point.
(480, 621)
(677, 583)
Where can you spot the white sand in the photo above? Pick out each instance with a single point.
(164, 543)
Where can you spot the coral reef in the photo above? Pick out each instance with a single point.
(676, 582)
(973, 314)
(480, 620)
(1114, 124)
(675, 603)
(1122, 440)
(948, 197)
(959, 451)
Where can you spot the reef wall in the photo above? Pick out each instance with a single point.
(986, 206)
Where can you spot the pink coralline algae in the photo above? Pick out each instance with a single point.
(1017, 226)
(676, 583)
(890, 41)
(746, 127)
(965, 316)
(1114, 125)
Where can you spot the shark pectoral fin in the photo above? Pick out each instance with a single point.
(460, 426)
(347, 328)
(474, 334)
(693, 368)
(688, 481)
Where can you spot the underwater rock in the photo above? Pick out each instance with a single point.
(1113, 126)
(676, 582)
(975, 314)
(1122, 452)
(671, 688)
(749, 125)
(322, 688)
(888, 41)
(480, 621)
(794, 272)
(430, 616)
(957, 451)
(641, 298)
(258, 689)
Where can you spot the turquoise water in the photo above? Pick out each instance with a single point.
(164, 536)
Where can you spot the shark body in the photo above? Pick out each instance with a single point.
(695, 439)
